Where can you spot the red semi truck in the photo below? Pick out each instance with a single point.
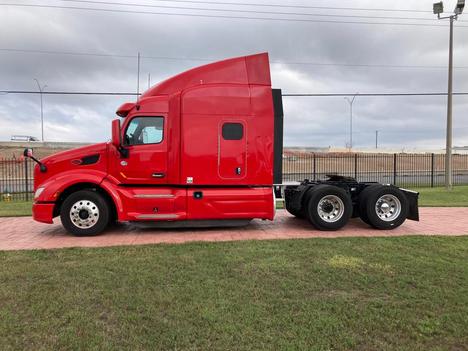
(201, 148)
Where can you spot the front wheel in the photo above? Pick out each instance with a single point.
(383, 207)
(85, 213)
(328, 207)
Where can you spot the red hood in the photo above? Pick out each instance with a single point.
(75, 153)
(91, 157)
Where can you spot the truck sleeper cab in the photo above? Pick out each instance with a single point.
(203, 147)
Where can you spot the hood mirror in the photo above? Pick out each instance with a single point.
(29, 154)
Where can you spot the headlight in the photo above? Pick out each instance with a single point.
(38, 192)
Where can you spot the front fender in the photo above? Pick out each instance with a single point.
(53, 187)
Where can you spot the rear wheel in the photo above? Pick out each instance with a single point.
(383, 207)
(85, 213)
(363, 200)
(328, 207)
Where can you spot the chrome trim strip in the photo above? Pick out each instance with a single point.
(157, 216)
(153, 196)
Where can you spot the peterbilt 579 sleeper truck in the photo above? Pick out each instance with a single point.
(201, 148)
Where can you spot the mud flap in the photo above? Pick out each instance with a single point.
(412, 196)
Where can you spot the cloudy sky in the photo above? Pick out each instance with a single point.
(95, 51)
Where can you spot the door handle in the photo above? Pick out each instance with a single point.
(158, 175)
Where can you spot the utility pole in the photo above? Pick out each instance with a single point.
(351, 102)
(376, 139)
(138, 77)
(438, 10)
(41, 90)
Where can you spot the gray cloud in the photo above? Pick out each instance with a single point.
(402, 121)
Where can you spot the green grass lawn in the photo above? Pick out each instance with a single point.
(434, 197)
(320, 294)
(15, 208)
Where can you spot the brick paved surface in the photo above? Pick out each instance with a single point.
(19, 233)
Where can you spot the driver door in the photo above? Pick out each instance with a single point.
(145, 139)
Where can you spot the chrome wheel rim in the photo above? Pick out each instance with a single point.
(388, 207)
(330, 208)
(84, 214)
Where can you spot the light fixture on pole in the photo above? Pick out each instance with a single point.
(351, 102)
(41, 90)
(438, 10)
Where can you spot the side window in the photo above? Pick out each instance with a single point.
(144, 130)
(233, 131)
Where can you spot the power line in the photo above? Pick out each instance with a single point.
(369, 94)
(172, 58)
(246, 11)
(386, 131)
(225, 17)
(285, 95)
(296, 6)
(74, 53)
(66, 92)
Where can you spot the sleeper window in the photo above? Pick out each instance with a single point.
(144, 130)
(233, 131)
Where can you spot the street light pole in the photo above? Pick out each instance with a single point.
(41, 89)
(438, 10)
(351, 102)
(448, 150)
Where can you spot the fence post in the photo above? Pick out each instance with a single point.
(315, 168)
(355, 166)
(432, 170)
(394, 168)
(26, 187)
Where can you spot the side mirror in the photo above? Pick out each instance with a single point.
(116, 140)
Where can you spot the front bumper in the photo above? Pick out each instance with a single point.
(43, 212)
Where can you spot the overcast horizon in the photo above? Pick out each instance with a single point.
(307, 57)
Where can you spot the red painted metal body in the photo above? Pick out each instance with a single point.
(195, 172)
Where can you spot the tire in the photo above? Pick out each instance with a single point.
(328, 207)
(383, 207)
(85, 213)
(294, 213)
(363, 200)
